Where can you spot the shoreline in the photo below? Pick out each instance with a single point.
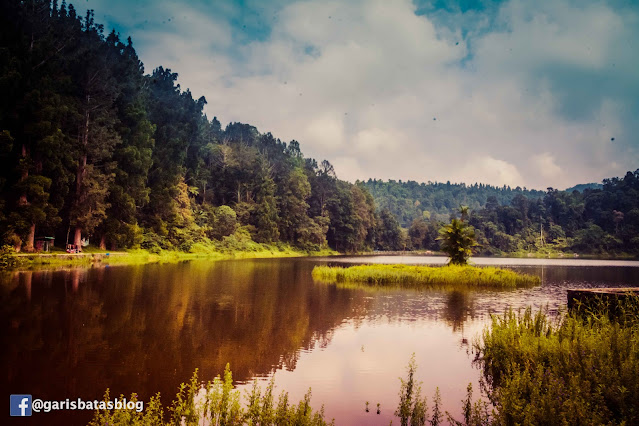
(27, 261)
(506, 255)
(140, 256)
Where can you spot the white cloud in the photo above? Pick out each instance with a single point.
(547, 167)
(375, 140)
(348, 168)
(493, 171)
(382, 92)
(326, 132)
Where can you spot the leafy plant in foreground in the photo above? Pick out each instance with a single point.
(218, 403)
(573, 369)
(413, 409)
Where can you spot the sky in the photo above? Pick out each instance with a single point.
(530, 93)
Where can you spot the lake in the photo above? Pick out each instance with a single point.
(76, 332)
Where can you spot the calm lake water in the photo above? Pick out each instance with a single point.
(145, 329)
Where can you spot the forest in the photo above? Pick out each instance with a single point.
(600, 219)
(94, 148)
(436, 200)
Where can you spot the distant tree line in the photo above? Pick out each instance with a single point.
(598, 220)
(91, 146)
(436, 200)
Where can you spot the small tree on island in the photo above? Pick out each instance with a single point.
(457, 240)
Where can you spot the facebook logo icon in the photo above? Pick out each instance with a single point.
(20, 405)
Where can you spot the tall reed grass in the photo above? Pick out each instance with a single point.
(217, 403)
(413, 408)
(570, 369)
(425, 276)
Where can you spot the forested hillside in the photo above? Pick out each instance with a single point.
(583, 186)
(435, 200)
(92, 147)
(595, 221)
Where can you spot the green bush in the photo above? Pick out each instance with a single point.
(240, 241)
(153, 242)
(7, 258)
(574, 369)
(225, 222)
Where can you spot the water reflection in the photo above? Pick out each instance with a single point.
(458, 308)
(145, 328)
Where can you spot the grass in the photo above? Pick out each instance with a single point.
(216, 403)
(93, 255)
(219, 403)
(570, 369)
(425, 276)
(413, 408)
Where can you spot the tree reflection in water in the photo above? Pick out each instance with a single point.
(146, 328)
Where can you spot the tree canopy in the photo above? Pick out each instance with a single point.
(92, 147)
(596, 220)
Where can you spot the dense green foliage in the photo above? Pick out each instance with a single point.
(597, 221)
(583, 186)
(425, 276)
(7, 258)
(91, 147)
(435, 200)
(572, 370)
(577, 368)
(217, 403)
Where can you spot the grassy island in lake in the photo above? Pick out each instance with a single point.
(425, 276)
